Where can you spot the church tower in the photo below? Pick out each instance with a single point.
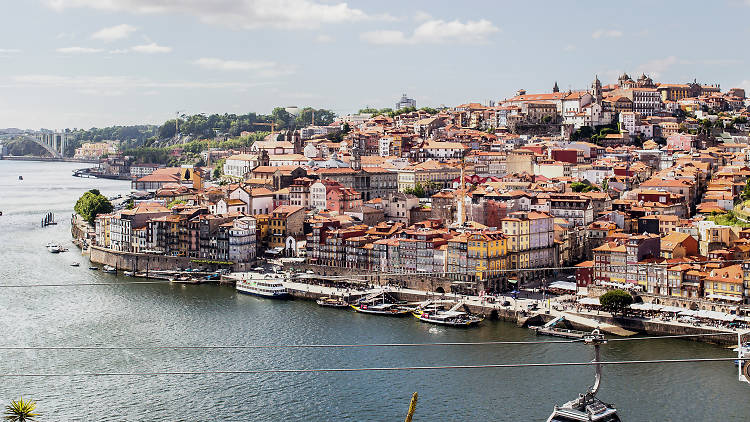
(596, 90)
(555, 88)
(356, 160)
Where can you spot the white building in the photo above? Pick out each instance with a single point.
(405, 102)
(242, 242)
(318, 195)
(240, 164)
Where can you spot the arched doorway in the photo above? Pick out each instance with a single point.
(440, 290)
(693, 306)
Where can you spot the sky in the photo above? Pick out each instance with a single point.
(86, 63)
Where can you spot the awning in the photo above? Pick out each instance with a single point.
(646, 306)
(673, 309)
(725, 297)
(563, 285)
(719, 316)
(589, 301)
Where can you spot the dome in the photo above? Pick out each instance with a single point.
(334, 163)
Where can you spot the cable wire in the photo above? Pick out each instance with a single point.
(348, 346)
(363, 369)
(289, 346)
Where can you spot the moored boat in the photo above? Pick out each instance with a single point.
(109, 269)
(448, 318)
(381, 303)
(74, 264)
(332, 302)
(434, 314)
(387, 309)
(264, 285)
(93, 267)
(128, 273)
(54, 248)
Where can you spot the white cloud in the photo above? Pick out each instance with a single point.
(656, 68)
(606, 33)
(260, 68)
(245, 14)
(113, 33)
(152, 48)
(78, 50)
(115, 84)
(385, 37)
(569, 47)
(422, 16)
(436, 32)
(9, 51)
(324, 39)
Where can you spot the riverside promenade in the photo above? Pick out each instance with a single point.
(526, 312)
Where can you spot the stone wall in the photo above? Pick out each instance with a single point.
(409, 281)
(129, 261)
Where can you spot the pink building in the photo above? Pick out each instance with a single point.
(680, 141)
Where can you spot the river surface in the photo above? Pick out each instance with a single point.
(163, 314)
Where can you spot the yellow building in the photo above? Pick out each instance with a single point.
(487, 253)
(261, 224)
(725, 284)
(427, 173)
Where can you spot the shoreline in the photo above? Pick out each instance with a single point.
(518, 312)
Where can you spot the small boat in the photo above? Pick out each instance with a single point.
(93, 268)
(434, 314)
(332, 302)
(74, 264)
(387, 309)
(109, 269)
(264, 285)
(128, 273)
(381, 303)
(449, 318)
(53, 248)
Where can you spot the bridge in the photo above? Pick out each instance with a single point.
(53, 143)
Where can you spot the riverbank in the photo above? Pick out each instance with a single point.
(519, 312)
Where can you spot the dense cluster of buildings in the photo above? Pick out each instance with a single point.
(483, 197)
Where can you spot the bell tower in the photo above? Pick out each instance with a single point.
(596, 90)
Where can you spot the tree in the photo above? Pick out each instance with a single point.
(579, 187)
(91, 204)
(616, 301)
(175, 202)
(21, 411)
(605, 185)
(219, 168)
(745, 194)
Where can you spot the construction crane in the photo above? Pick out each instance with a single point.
(177, 122)
(272, 125)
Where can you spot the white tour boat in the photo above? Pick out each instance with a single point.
(265, 285)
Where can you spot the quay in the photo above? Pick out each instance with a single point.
(519, 311)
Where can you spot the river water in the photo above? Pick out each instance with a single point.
(127, 315)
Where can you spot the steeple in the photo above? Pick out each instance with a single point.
(596, 90)
(555, 88)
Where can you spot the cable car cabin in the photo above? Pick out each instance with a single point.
(595, 411)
